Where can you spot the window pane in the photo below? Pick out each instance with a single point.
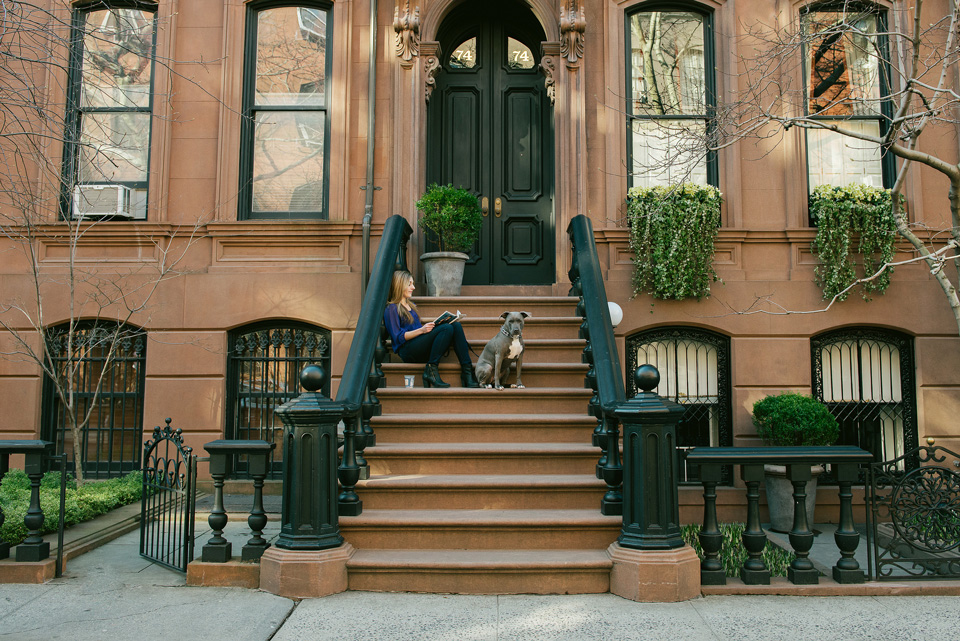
(288, 161)
(835, 159)
(842, 64)
(117, 59)
(115, 147)
(519, 55)
(291, 57)
(464, 56)
(666, 52)
(668, 152)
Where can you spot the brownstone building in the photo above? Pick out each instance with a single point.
(249, 123)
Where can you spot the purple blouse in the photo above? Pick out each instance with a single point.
(395, 326)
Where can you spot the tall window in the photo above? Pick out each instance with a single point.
(102, 367)
(263, 373)
(866, 378)
(670, 89)
(847, 79)
(694, 368)
(110, 104)
(286, 95)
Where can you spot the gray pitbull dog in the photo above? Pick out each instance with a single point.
(501, 351)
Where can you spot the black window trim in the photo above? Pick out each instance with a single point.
(245, 206)
(710, 80)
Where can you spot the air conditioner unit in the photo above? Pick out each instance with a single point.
(101, 201)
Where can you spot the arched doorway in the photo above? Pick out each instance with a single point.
(490, 130)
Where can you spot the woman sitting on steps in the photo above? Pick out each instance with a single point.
(419, 343)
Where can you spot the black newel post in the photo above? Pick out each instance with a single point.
(651, 502)
(218, 549)
(847, 569)
(309, 511)
(259, 462)
(801, 570)
(34, 548)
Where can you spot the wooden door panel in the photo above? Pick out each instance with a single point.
(463, 154)
(522, 143)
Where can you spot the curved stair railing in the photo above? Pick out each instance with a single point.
(362, 374)
(605, 376)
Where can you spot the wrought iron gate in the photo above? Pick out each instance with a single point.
(914, 516)
(168, 505)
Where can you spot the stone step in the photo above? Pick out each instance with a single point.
(459, 400)
(534, 374)
(484, 427)
(486, 327)
(480, 529)
(483, 492)
(474, 306)
(482, 458)
(520, 571)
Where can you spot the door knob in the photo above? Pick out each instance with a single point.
(484, 205)
(497, 207)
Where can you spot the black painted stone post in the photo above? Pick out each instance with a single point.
(218, 549)
(651, 502)
(4, 468)
(34, 548)
(309, 513)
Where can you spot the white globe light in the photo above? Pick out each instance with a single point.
(616, 314)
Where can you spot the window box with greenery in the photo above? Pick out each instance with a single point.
(451, 219)
(844, 216)
(672, 234)
(792, 420)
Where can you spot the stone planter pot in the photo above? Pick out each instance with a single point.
(780, 496)
(444, 272)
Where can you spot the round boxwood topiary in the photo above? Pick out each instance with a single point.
(794, 420)
(452, 215)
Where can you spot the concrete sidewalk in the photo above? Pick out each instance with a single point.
(112, 593)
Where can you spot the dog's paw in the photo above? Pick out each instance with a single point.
(518, 386)
(487, 386)
(500, 387)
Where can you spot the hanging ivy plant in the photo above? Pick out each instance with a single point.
(844, 215)
(672, 231)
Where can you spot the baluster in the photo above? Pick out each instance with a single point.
(257, 520)
(847, 569)
(801, 570)
(753, 572)
(218, 549)
(33, 548)
(349, 504)
(4, 468)
(711, 570)
(612, 502)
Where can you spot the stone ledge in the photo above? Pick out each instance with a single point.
(829, 587)
(232, 574)
(661, 576)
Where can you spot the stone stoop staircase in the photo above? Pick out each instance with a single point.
(485, 491)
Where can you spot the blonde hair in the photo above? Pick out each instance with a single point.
(398, 286)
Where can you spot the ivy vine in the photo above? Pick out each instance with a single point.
(672, 231)
(843, 216)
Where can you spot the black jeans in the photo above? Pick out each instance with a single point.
(430, 347)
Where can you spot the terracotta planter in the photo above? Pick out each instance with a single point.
(780, 496)
(444, 272)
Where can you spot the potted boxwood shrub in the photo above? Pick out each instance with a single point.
(792, 420)
(451, 218)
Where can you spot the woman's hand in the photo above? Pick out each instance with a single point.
(427, 328)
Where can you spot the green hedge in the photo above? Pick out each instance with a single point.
(82, 504)
(732, 552)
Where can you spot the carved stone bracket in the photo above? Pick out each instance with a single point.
(406, 24)
(549, 68)
(573, 23)
(431, 66)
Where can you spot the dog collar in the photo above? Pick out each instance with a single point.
(505, 332)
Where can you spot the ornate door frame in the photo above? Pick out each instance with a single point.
(416, 57)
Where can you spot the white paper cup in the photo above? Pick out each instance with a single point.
(408, 380)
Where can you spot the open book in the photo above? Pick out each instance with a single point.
(448, 317)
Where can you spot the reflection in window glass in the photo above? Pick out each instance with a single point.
(667, 87)
(287, 103)
(519, 55)
(113, 87)
(464, 56)
(843, 88)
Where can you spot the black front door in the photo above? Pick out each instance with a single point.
(490, 130)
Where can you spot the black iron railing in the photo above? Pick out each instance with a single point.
(362, 374)
(604, 376)
(846, 462)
